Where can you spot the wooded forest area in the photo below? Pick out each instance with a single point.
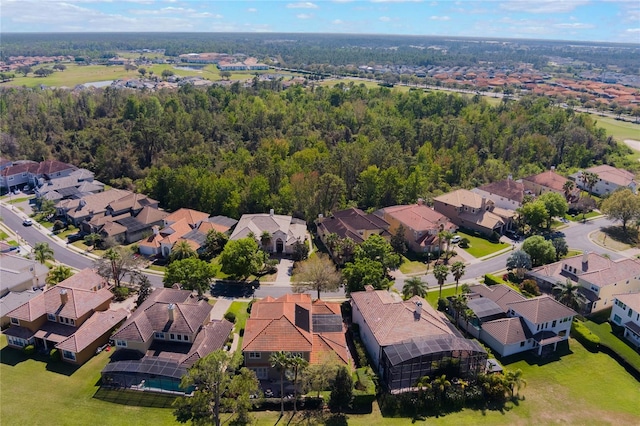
(300, 151)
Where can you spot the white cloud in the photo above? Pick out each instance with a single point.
(542, 6)
(633, 30)
(575, 26)
(337, 22)
(252, 10)
(439, 18)
(397, 1)
(304, 16)
(302, 5)
(384, 18)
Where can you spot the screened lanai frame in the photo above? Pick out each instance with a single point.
(147, 374)
(404, 363)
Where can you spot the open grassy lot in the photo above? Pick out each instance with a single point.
(620, 130)
(480, 247)
(40, 393)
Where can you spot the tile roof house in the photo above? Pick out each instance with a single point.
(421, 225)
(78, 210)
(510, 323)
(352, 223)
(292, 323)
(469, 210)
(506, 193)
(181, 224)
(609, 179)
(73, 316)
(32, 173)
(626, 313)
(407, 340)
(19, 274)
(598, 277)
(172, 328)
(285, 231)
(547, 181)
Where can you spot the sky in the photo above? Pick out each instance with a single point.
(579, 20)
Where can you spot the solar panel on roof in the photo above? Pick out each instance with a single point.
(131, 224)
(327, 323)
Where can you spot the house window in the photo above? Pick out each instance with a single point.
(121, 343)
(172, 336)
(16, 341)
(69, 355)
(261, 372)
(15, 321)
(180, 337)
(255, 355)
(553, 324)
(630, 313)
(159, 335)
(51, 317)
(186, 338)
(522, 344)
(617, 319)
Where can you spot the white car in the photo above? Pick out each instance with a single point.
(27, 222)
(456, 239)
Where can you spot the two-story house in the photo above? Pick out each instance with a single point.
(292, 323)
(421, 225)
(547, 181)
(609, 179)
(506, 194)
(626, 313)
(469, 210)
(72, 316)
(599, 278)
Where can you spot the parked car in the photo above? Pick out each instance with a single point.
(456, 239)
(72, 238)
(27, 222)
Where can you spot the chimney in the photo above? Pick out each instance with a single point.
(420, 201)
(271, 212)
(155, 229)
(553, 168)
(585, 261)
(171, 308)
(418, 308)
(64, 297)
(510, 177)
(320, 216)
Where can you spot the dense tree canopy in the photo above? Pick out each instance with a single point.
(623, 205)
(241, 258)
(191, 273)
(541, 251)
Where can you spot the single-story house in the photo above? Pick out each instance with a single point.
(284, 231)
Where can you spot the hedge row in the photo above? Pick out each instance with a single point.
(583, 335)
(490, 280)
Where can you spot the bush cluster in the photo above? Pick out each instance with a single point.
(121, 293)
(230, 316)
(583, 335)
(490, 280)
(29, 350)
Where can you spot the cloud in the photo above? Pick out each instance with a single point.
(384, 19)
(337, 22)
(632, 30)
(302, 5)
(252, 10)
(439, 18)
(304, 16)
(542, 6)
(574, 26)
(397, 1)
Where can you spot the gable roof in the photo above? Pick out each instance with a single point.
(192, 217)
(416, 216)
(131, 201)
(549, 179)
(461, 197)
(95, 203)
(350, 222)
(632, 300)
(541, 309)
(507, 330)
(213, 336)
(98, 324)
(393, 320)
(48, 167)
(501, 294)
(507, 188)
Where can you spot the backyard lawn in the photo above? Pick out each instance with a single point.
(480, 247)
(603, 331)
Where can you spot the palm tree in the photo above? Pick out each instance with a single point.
(182, 250)
(459, 304)
(113, 256)
(447, 236)
(440, 385)
(590, 179)
(265, 239)
(298, 364)
(457, 269)
(568, 188)
(515, 382)
(58, 274)
(280, 361)
(567, 294)
(440, 272)
(43, 252)
(414, 287)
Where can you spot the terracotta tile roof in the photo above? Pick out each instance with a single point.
(549, 179)
(98, 324)
(611, 174)
(151, 241)
(29, 167)
(416, 216)
(205, 227)
(501, 294)
(507, 330)
(192, 217)
(213, 336)
(319, 306)
(507, 188)
(326, 343)
(175, 231)
(392, 320)
(154, 315)
(541, 309)
(48, 167)
(632, 300)
(275, 335)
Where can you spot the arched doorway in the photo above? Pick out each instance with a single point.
(279, 246)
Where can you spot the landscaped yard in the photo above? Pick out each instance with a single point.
(412, 266)
(240, 310)
(603, 331)
(480, 247)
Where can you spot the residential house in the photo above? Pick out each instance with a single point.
(547, 181)
(351, 223)
(13, 300)
(609, 180)
(626, 313)
(284, 231)
(17, 175)
(72, 316)
(599, 278)
(77, 184)
(506, 194)
(472, 211)
(407, 340)
(292, 323)
(421, 225)
(18, 274)
(76, 211)
(510, 323)
(165, 335)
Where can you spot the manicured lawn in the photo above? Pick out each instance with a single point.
(240, 309)
(39, 393)
(19, 200)
(432, 295)
(157, 268)
(620, 130)
(3, 236)
(578, 217)
(480, 247)
(604, 332)
(412, 266)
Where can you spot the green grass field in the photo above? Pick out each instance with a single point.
(480, 247)
(604, 332)
(620, 130)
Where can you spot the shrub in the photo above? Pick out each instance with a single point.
(54, 354)
(490, 280)
(250, 305)
(442, 304)
(530, 287)
(241, 332)
(464, 243)
(121, 293)
(494, 237)
(230, 316)
(29, 350)
(583, 335)
(58, 225)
